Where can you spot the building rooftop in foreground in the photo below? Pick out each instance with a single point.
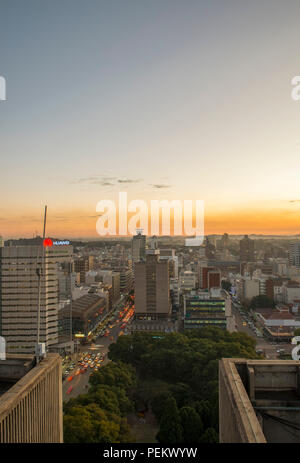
(259, 401)
(13, 369)
(30, 399)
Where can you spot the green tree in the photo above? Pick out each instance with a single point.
(78, 426)
(116, 374)
(192, 425)
(158, 402)
(91, 424)
(170, 431)
(210, 436)
(203, 408)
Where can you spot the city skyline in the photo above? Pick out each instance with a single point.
(163, 100)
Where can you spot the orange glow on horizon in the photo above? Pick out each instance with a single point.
(239, 221)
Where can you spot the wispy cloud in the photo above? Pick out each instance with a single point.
(294, 201)
(160, 186)
(129, 180)
(103, 181)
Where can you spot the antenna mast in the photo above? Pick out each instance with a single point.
(40, 271)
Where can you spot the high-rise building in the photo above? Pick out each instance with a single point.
(169, 254)
(225, 241)
(138, 247)
(294, 253)
(19, 294)
(246, 249)
(66, 280)
(113, 279)
(83, 265)
(1, 242)
(152, 287)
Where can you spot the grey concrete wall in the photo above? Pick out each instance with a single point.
(31, 410)
(237, 420)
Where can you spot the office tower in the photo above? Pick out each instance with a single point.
(187, 280)
(153, 242)
(66, 280)
(113, 279)
(83, 265)
(19, 284)
(225, 241)
(294, 254)
(138, 247)
(169, 254)
(126, 280)
(207, 308)
(1, 242)
(246, 249)
(31, 400)
(202, 263)
(152, 290)
(210, 249)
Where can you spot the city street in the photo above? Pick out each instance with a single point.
(79, 382)
(269, 349)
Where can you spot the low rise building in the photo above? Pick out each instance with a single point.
(85, 312)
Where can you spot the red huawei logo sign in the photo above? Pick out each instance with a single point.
(48, 242)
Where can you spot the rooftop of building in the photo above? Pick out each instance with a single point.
(14, 368)
(18, 374)
(84, 303)
(259, 400)
(279, 316)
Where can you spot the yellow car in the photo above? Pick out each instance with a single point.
(244, 324)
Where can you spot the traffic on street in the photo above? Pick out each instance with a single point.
(246, 324)
(93, 356)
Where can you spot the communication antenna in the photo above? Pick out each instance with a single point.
(40, 347)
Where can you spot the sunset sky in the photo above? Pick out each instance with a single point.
(163, 99)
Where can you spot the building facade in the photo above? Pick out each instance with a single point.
(19, 295)
(152, 287)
